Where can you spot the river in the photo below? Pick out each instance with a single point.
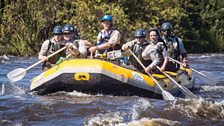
(20, 107)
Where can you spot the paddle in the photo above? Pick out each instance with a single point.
(91, 55)
(206, 77)
(166, 95)
(184, 90)
(19, 73)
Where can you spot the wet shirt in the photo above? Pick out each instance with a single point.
(156, 53)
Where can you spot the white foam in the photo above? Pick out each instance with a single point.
(151, 122)
(204, 55)
(81, 94)
(17, 90)
(199, 108)
(3, 89)
(220, 103)
(78, 94)
(213, 88)
(109, 119)
(5, 57)
(140, 107)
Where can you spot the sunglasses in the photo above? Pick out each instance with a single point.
(166, 30)
(139, 37)
(67, 33)
(58, 34)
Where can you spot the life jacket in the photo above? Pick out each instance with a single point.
(137, 50)
(172, 50)
(104, 38)
(76, 43)
(52, 47)
(160, 46)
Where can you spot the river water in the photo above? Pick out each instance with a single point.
(20, 107)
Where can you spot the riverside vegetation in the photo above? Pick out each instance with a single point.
(25, 24)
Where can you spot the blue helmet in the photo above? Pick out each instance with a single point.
(57, 30)
(68, 28)
(75, 31)
(107, 18)
(156, 30)
(167, 26)
(140, 33)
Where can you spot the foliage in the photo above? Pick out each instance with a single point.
(212, 16)
(25, 24)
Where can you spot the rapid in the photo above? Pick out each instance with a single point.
(20, 107)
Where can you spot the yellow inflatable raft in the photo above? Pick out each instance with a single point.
(96, 76)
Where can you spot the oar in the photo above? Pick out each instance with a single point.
(166, 95)
(184, 90)
(19, 73)
(91, 55)
(206, 77)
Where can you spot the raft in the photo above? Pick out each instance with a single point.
(95, 76)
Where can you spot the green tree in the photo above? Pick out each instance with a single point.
(25, 24)
(86, 16)
(212, 18)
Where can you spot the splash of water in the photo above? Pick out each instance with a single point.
(17, 90)
(199, 108)
(3, 89)
(5, 57)
(151, 122)
(140, 108)
(213, 88)
(108, 119)
(78, 94)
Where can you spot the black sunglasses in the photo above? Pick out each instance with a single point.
(58, 34)
(139, 37)
(166, 30)
(68, 33)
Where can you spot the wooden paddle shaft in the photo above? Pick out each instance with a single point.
(145, 68)
(47, 57)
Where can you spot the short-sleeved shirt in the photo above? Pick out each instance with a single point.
(155, 53)
(45, 46)
(114, 37)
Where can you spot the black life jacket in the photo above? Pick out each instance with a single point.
(104, 39)
(137, 50)
(73, 41)
(52, 47)
(171, 50)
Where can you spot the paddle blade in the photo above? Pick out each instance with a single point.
(16, 74)
(167, 96)
(208, 78)
(188, 93)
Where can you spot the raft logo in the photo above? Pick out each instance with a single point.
(137, 77)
